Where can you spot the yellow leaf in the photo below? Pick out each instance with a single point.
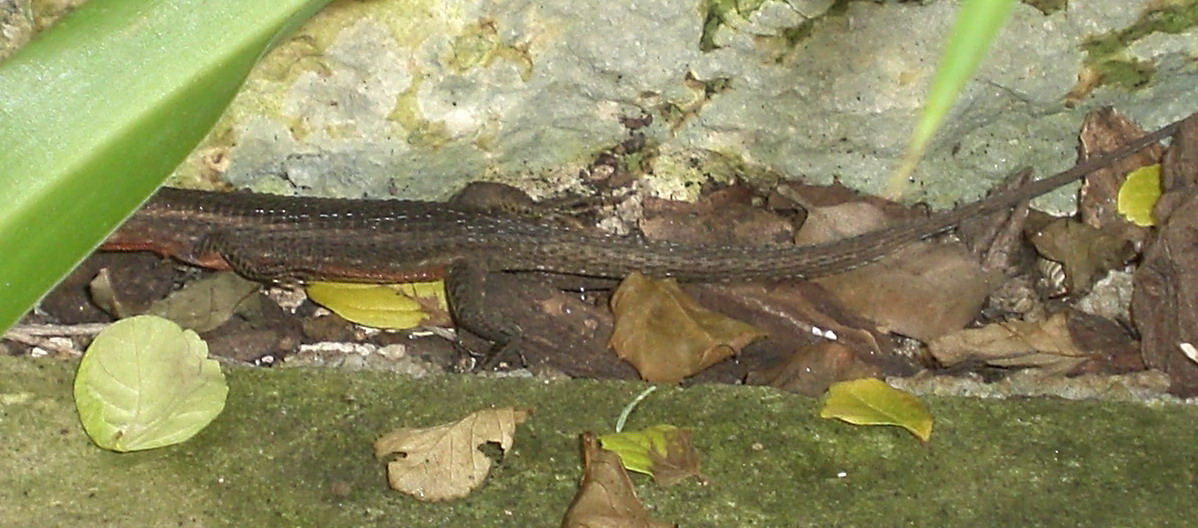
(1138, 195)
(389, 306)
(663, 451)
(869, 401)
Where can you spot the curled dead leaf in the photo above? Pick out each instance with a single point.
(1165, 299)
(1086, 252)
(924, 291)
(668, 336)
(1047, 345)
(443, 462)
(606, 498)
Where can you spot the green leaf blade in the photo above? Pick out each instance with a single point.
(145, 383)
(978, 23)
(98, 110)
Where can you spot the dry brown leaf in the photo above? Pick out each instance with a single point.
(1046, 344)
(835, 212)
(812, 370)
(797, 315)
(666, 335)
(606, 498)
(1086, 252)
(679, 461)
(726, 216)
(924, 292)
(443, 462)
(1111, 347)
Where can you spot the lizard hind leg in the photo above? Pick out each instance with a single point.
(479, 309)
(531, 320)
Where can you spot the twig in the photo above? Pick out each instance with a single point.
(42, 336)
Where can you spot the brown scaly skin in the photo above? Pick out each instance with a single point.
(278, 238)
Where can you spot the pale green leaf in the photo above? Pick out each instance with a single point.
(1138, 195)
(870, 401)
(389, 306)
(146, 383)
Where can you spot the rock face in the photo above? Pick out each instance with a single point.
(382, 98)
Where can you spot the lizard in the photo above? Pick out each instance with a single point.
(273, 238)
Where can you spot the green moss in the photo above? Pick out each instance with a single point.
(715, 15)
(1107, 54)
(422, 132)
(480, 46)
(701, 91)
(1048, 7)
(293, 448)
